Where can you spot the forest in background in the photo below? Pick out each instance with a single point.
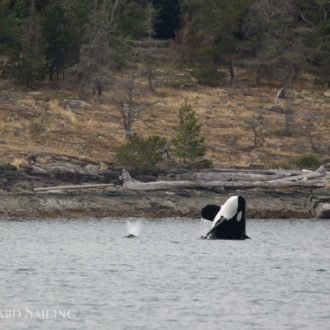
(88, 41)
(121, 55)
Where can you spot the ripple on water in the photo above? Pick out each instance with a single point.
(168, 278)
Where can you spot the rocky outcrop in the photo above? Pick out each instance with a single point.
(10, 177)
(118, 202)
(60, 169)
(98, 192)
(319, 205)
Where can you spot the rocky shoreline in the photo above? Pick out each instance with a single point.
(18, 198)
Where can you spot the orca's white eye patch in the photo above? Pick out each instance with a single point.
(239, 216)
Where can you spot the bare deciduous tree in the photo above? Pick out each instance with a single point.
(275, 42)
(310, 123)
(257, 125)
(125, 98)
(97, 55)
(150, 51)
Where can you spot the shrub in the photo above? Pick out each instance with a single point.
(141, 154)
(281, 166)
(307, 161)
(204, 163)
(209, 76)
(179, 80)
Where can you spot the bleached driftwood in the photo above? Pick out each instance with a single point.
(216, 178)
(132, 184)
(74, 187)
(237, 180)
(238, 175)
(321, 171)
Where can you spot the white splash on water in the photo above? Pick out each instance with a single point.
(204, 226)
(134, 227)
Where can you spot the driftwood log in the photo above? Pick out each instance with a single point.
(73, 187)
(236, 179)
(216, 178)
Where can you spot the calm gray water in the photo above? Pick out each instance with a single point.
(83, 274)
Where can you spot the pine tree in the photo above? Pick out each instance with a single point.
(216, 30)
(315, 17)
(9, 30)
(97, 58)
(28, 63)
(188, 144)
(64, 24)
(141, 154)
(150, 49)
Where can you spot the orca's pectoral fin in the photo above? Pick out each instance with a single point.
(210, 211)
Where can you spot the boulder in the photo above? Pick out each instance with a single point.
(320, 205)
(72, 104)
(322, 211)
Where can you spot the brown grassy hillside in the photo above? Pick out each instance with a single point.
(62, 121)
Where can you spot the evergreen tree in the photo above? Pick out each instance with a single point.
(63, 28)
(112, 24)
(168, 18)
(97, 56)
(217, 30)
(188, 144)
(28, 62)
(150, 51)
(141, 154)
(275, 41)
(315, 17)
(9, 29)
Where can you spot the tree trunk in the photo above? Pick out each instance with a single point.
(99, 90)
(288, 122)
(314, 179)
(74, 187)
(232, 73)
(51, 73)
(279, 93)
(150, 79)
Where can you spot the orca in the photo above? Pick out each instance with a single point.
(130, 236)
(210, 211)
(228, 221)
(134, 228)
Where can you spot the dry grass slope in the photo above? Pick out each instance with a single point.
(61, 121)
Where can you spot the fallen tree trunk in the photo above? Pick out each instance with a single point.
(238, 176)
(73, 187)
(252, 171)
(236, 179)
(321, 171)
(303, 180)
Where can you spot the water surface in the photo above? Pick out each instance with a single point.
(83, 274)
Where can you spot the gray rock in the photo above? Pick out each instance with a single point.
(322, 211)
(71, 104)
(319, 205)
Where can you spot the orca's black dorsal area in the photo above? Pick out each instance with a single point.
(229, 222)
